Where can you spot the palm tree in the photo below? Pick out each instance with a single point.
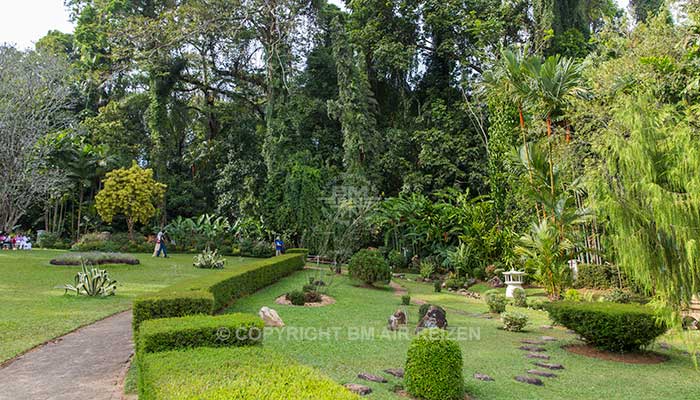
(555, 82)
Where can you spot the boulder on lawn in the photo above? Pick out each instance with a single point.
(434, 318)
(270, 317)
(396, 320)
(496, 282)
(362, 390)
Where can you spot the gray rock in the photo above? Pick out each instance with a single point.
(530, 380)
(530, 341)
(270, 317)
(496, 282)
(537, 356)
(548, 365)
(396, 320)
(397, 372)
(372, 378)
(532, 348)
(546, 327)
(358, 389)
(483, 377)
(548, 338)
(541, 373)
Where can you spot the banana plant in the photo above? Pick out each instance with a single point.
(92, 282)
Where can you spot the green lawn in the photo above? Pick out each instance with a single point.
(494, 353)
(32, 311)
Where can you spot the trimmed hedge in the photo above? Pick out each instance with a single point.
(232, 373)
(199, 331)
(609, 326)
(212, 292)
(434, 366)
(369, 266)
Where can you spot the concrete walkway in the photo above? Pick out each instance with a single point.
(89, 363)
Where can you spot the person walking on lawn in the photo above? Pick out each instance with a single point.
(160, 244)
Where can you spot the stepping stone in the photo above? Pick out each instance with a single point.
(530, 341)
(548, 365)
(541, 373)
(397, 372)
(546, 327)
(548, 338)
(538, 356)
(358, 389)
(570, 331)
(530, 380)
(372, 378)
(532, 348)
(483, 377)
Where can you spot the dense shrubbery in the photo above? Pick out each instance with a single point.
(406, 300)
(48, 240)
(296, 297)
(211, 292)
(603, 276)
(514, 321)
(434, 367)
(232, 373)
(369, 267)
(117, 242)
(572, 295)
(199, 331)
(496, 301)
(94, 258)
(397, 260)
(609, 326)
(618, 296)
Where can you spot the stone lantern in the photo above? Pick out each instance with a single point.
(514, 280)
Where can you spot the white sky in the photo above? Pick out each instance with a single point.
(23, 22)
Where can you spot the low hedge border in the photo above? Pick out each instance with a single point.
(609, 326)
(229, 330)
(207, 294)
(232, 373)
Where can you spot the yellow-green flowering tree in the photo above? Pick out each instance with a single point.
(132, 192)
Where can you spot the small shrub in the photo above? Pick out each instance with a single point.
(427, 268)
(437, 286)
(397, 260)
(434, 367)
(48, 240)
(309, 288)
(490, 271)
(572, 295)
(94, 258)
(296, 297)
(519, 298)
(514, 321)
(536, 304)
(496, 301)
(618, 296)
(369, 267)
(92, 282)
(312, 297)
(609, 326)
(406, 300)
(455, 283)
(209, 259)
(425, 307)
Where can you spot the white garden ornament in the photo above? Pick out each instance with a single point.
(514, 280)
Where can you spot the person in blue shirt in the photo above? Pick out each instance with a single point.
(279, 246)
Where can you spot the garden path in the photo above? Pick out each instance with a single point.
(87, 363)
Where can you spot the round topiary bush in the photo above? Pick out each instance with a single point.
(496, 301)
(434, 367)
(519, 298)
(370, 267)
(406, 300)
(514, 321)
(609, 326)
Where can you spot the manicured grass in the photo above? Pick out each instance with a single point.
(33, 311)
(495, 352)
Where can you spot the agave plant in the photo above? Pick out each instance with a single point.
(92, 282)
(209, 259)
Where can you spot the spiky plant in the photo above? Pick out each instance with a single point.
(92, 282)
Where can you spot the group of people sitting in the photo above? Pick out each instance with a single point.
(15, 241)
